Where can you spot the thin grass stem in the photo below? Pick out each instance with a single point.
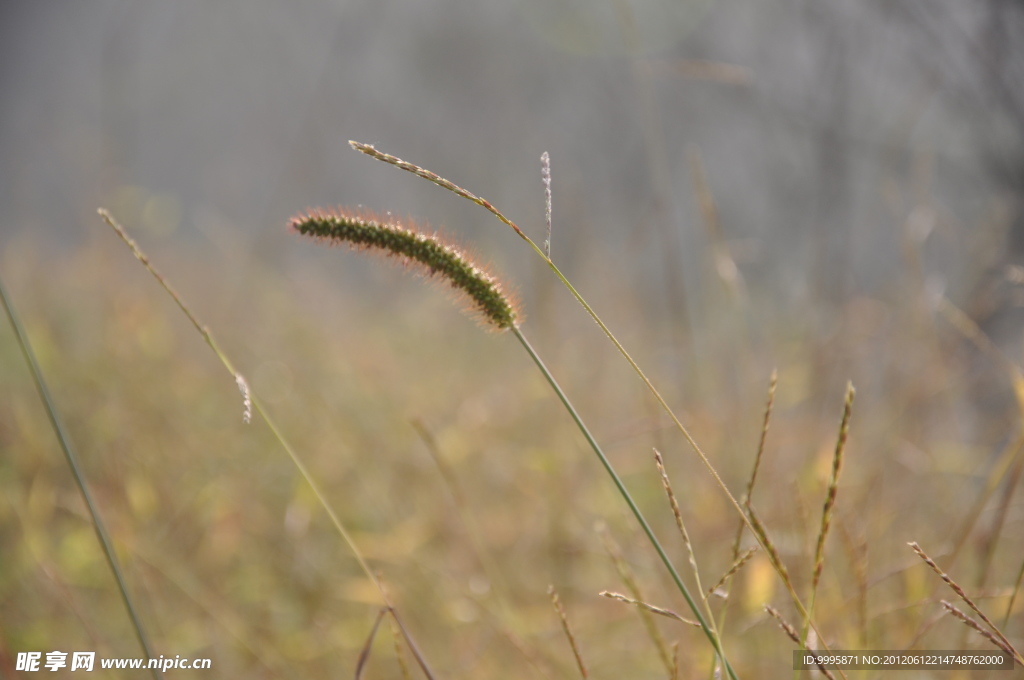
(994, 533)
(666, 483)
(708, 632)
(955, 587)
(1013, 595)
(257, 405)
(557, 604)
(830, 503)
(747, 494)
(856, 551)
(648, 607)
(76, 471)
(364, 652)
(736, 566)
(459, 191)
(626, 574)
(971, 623)
(791, 632)
(396, 638)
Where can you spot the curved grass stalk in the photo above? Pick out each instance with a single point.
(256, 404)
(704, 625)
(369, 150)
(454, 188)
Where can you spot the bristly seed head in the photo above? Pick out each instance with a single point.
(436, 255)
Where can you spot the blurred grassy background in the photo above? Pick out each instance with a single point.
(863, 163)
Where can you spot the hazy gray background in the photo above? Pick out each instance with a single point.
(832, 132)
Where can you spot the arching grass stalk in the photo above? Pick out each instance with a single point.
(251, 402)
(76, 472)
(435, 256)
(369, 150)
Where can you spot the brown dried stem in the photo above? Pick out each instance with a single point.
(955, 587)
(557, 603)
(629, 580)
(791, 632)
(830, 503)
(644, 606)
(971, 623)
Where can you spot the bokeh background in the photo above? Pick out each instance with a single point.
(830, 189)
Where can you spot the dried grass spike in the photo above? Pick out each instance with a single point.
(677, 513)
(629, 579)
(736, 566)
(791, 632)
(644, 606)
(434, 254)
(243, 388)
(370, 151)
(557, 604)
(545, 173)
(833, 485)
(769, 546)
(971, 623)
(764, 436)
(830, 503)
(955, 587)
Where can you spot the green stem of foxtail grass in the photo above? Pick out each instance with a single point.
(76, 471)
(715, 642)
(459, 191)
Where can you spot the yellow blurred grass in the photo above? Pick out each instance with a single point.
(231, 559)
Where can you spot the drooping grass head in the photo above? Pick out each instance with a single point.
(433, 254)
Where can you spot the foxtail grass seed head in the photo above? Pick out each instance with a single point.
(433, 254)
